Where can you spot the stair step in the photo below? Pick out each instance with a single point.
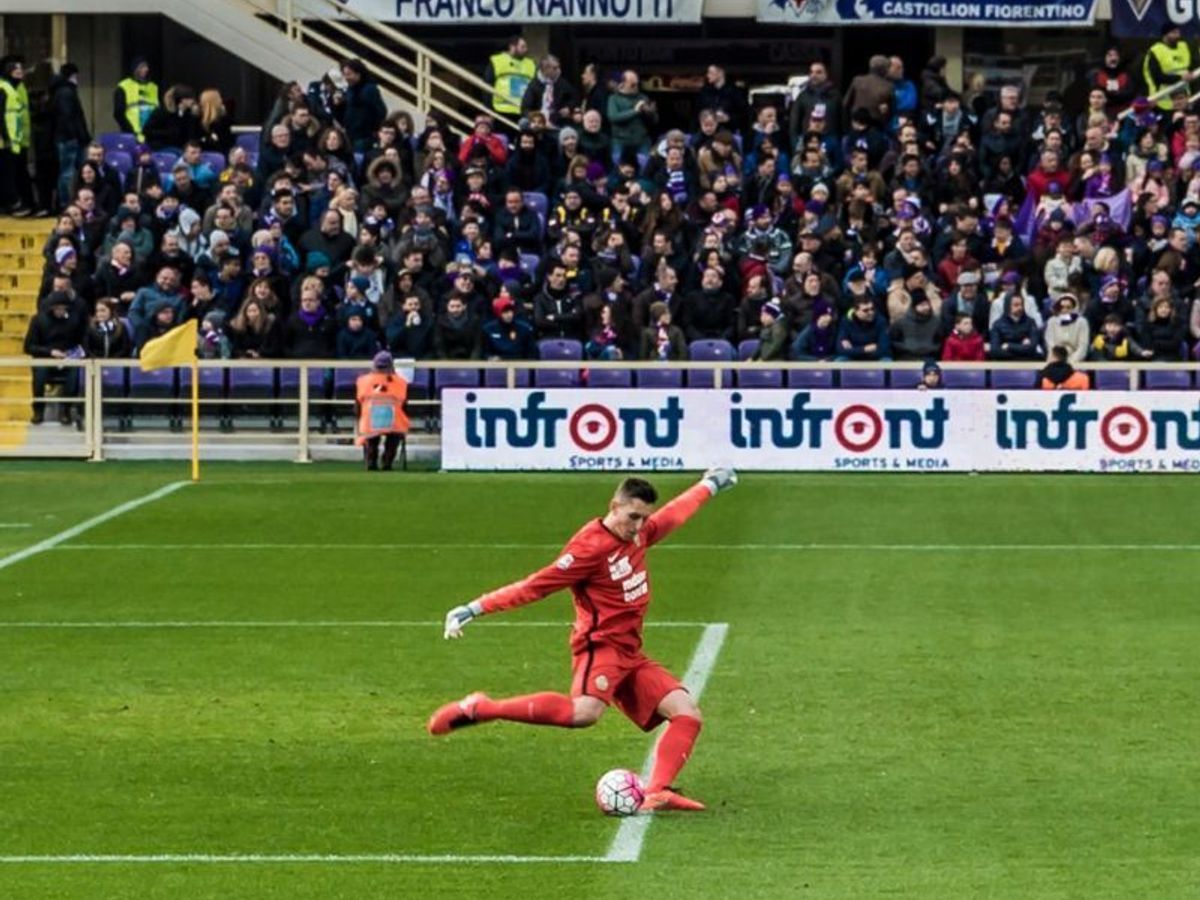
(43, 226)
(19, 299)
(28, 243)
(21, 260)
(17, 280)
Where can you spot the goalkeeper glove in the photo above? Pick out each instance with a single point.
(460, 616)
(717, 480)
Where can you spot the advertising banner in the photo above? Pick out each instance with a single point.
(556, 12)
(1145, 18)
(796, 430)
(1010, 13)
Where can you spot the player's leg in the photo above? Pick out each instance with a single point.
(653, 695)
(371, 453)
(596, 675)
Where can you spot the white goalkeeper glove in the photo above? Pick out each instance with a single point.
(717, 480)
(460, 616)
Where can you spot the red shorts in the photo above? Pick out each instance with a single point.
(633, 684)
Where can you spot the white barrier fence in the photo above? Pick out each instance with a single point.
(300, 410)
(839, 430)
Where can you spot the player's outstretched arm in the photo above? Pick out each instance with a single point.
(561, 573)
(687, 504)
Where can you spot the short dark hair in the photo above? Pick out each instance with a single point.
(637, 489)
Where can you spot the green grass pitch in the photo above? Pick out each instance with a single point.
(901, 708)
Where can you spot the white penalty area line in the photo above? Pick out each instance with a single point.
(63, 536)
(906, 548)
(627, 843)
(317, 623)
(16, 524)
(290, 858)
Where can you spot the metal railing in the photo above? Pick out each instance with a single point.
(433, 77)
(295, 415)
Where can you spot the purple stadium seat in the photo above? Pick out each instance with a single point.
(1014, 379)
(556, 378)
(529, 263)
(862, 379)
(420, 383)
(257, 383)
(249, 141)
(660, 378)
(810, 379)
(1112, 379)
(214, 161)
(344, 382)
(1168, 380)
(118, 140)
(115, 382)
(453, 378)
(746, 349)
(607, 377)
(157, 383)
(560, 348)
(212, 382)
(538, 202)
(164, 161)
(903, 379)
(289, 383)
(965, 379)
(499, 378)
(709, 351)
(119, 160)
(760, 378)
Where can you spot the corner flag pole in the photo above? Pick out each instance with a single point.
(195, 419)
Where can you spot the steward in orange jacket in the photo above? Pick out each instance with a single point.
(379, 399)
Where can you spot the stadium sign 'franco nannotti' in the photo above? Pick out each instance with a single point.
(501, 429)
(499, 12)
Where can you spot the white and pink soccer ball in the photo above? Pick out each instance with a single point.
(620, 793)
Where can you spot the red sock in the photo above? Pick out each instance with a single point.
(673, 751)
(535, 709)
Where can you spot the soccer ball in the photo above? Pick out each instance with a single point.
(620, 793)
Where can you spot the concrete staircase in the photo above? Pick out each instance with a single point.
(21, 264)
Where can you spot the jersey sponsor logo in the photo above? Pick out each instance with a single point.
(620, 569)
(565, 562)
(601, 683)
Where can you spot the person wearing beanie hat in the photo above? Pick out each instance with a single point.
(16, 130)
(931, 377)
(817, 341)
(134, 99)
(379, 398)
(773, 332)
(1167, 63)
(356, 339)
(317, 260)
(70, 128)
(62, 254)
(507, 335)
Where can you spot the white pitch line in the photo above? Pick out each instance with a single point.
(328, 623)
(16, 525)
(292, 858)
(927, 548)
(51, 542)
(631, 834)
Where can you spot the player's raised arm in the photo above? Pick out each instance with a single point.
(562, 573)
(686, 505)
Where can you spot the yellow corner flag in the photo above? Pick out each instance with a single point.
(175, 348)
(178, 348)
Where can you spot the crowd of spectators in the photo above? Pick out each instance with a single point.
(891, 219)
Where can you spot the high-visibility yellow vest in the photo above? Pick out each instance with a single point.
(1171, 62)
(16, 115)
(141, 99)
(512, 77)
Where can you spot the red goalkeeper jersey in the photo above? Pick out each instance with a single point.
(607, 577)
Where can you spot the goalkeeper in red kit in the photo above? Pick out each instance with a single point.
(604, 565)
